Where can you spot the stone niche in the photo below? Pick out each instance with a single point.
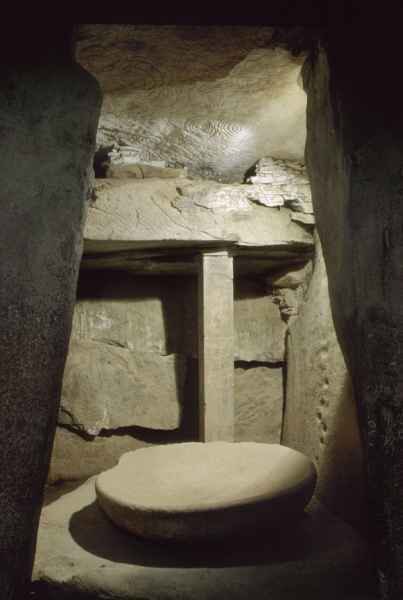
(131, 376)
(132, 373)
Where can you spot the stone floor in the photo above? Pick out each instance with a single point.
(81, 555)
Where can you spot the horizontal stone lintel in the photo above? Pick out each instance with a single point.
(153, 212)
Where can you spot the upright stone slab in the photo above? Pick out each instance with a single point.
(216, 346)
(355, 158)
(107, 387)
(48, 115)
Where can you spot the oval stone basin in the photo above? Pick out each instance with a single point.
(201, 491)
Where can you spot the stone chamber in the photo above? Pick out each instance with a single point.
(212, 238)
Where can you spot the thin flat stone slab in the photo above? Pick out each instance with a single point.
(80, 553)
(176, 212)
(201, 491)
(106, 387)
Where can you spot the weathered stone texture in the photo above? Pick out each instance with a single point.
(180, 212)
(216, 347)
(140, 171)
(285, 182)
(259, 329)
(142, 314)
(237, 489)
(355, 155)
(48, 123)
(291, 278)
(320, 418)
(81, 553)
(75, 458)
(106, 387)
(213, 99)
(258, 404)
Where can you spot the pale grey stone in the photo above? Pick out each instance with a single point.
(216, 347)
(106, 387)
(207, 103)
(285, 182)
(79, 551)
(258, 404)
(305, 219)
(151, 212)
(142, 171)
(236, 489)
(138, 313)
(259, 329)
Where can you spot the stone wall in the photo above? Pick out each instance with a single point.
(320, 416)
(131, 374)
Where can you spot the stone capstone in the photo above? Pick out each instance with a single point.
(212, 99)
(203, 491)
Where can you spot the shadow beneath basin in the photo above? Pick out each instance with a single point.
(96, 534)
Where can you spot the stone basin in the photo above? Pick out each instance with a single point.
(204, 491)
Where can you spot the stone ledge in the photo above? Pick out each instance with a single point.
(172, 213)
(79, 552)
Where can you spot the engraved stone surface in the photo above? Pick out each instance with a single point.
(141, 171)
(172, 212)
(213, 99)
(258, 404)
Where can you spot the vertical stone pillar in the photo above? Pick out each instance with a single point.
(355, 156)
(216, 346)
(48, 118)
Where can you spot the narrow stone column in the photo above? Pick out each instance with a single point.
(216, 347)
